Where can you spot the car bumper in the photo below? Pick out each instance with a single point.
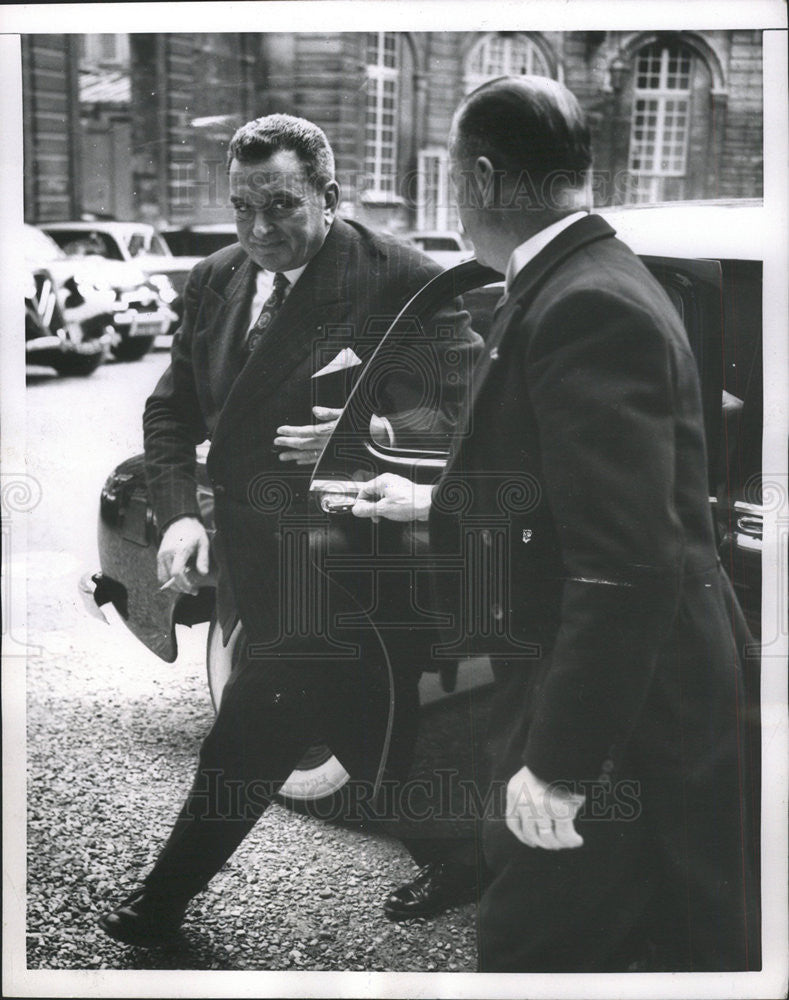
(38, 349)
(92, 596)
(131, 323)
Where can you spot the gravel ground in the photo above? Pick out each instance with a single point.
(111, 749)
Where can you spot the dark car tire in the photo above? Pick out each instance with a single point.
(78, 364)
(319, 776)
(132, 348)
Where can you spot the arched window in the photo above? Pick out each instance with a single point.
(506, 54)
(660, 124)
(380, 135)
(503, 55)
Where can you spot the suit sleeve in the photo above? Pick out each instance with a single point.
(428, 373)
(599, 371)
(173, 424)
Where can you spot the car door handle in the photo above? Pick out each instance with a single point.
(335, 497)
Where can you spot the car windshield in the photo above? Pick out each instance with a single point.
(87, 242)
(39, 247)
(141, 242)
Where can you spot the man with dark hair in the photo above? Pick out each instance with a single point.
(248, 363)
(617, 725)
(259, 139)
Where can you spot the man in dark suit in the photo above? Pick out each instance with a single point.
(616, 731)
(275, 329)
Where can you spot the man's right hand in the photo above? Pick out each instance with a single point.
(394, 498)
(183, 555)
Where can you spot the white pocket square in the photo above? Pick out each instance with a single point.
(347, 358)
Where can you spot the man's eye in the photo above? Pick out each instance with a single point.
(243, 210)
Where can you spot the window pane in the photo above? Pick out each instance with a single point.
(659, 127)
(381, 111)
(497, 55)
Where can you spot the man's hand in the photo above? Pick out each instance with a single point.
(304, 444)
(394, 498)
(183, 555)
(542, 815)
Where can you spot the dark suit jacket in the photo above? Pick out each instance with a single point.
(578, 493)
(350, 291)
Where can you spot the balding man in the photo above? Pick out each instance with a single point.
(617, 723)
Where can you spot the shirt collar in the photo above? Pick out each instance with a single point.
(292, 276)
(528, 250)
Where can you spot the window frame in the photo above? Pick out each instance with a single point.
(435, 214)
(649, 180)
(380, 153)
(537, 63)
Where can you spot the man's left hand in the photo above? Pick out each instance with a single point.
(541, 815)
(303, 445)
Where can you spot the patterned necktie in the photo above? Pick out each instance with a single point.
(270, 309)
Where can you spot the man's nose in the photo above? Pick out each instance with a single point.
(262, 223)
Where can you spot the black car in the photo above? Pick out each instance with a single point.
(199, 240)
(718, 296)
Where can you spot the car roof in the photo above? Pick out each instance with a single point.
(109, 225)
(723, 230)
(38, 246)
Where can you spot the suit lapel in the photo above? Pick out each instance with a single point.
(318, 299)
(226, 318)
(310, 306)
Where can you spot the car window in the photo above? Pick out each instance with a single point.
(135, 244)
(419, 365)
(158, 245)
(743, 375)
(424, 344)
(437, 243)
(85, 243)
(189, 243)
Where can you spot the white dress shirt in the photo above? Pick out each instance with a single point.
(264, 285)
(528, 250)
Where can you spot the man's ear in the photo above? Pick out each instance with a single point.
(331, 199)
(484, 175)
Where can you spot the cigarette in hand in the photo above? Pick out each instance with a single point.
(168, 584)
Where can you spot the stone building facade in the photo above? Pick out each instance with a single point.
(136, 126)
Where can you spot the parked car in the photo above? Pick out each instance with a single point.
(68, 309)
(136, 242)
(138, 313)
(708, 259)
(447, 247)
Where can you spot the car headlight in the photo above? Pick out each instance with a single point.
(164, 287)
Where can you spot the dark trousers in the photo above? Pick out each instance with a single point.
(272, 710)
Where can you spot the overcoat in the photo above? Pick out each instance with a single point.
(576, 500)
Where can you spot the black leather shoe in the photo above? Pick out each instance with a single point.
(436, 887)
(143, 920)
